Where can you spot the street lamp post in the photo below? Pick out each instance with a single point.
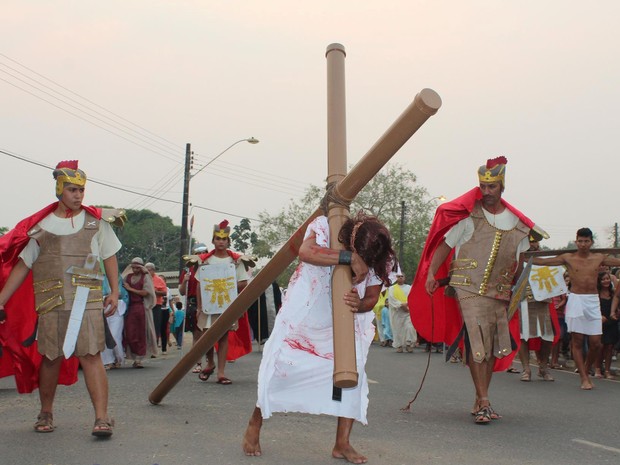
(441, 198)
(188, 176)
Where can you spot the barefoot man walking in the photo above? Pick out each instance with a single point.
(583, 310)
(296, 372)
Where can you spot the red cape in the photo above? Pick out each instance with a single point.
(240, 341)
(440, 320)
(17, 360)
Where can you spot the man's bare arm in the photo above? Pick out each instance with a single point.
(611, 261)
(550, 261)
(311, 252)
(15, 279)
(111, 270)
(441, 253)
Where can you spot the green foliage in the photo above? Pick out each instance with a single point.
(242, 236)
(382, 197)
(152, 237)
(3, 229)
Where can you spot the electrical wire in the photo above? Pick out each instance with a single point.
(130, 191)
(168, 144)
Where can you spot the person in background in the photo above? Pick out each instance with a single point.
(188, 287)
(179, 320)
(161, 290)
(400, 320)
(114, 357)
(583, 309)
(139, 332)
(211, 301)
(609, 339)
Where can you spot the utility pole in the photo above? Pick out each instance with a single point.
(184, 234)
(401, 244)
(616, 235)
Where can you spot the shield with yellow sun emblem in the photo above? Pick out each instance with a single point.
(218, 287)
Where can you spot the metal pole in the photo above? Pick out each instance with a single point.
(184, 245)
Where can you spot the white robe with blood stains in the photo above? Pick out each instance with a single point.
(296, 371)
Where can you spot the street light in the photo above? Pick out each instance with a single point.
(188, 176)
(441, 198)
(251, 140)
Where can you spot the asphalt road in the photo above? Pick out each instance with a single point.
(203, 422)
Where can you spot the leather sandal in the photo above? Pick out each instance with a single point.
(526, 376)
(206, 373)
(483, 416)
(493, 414)
(45, 423)
(103, 427)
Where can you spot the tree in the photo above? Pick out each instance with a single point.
(150, 236)
(382, 197)
(243, 238)
(3, 230)
(246, 241)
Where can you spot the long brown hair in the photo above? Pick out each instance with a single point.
(371, 240)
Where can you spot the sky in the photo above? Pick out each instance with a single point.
(124, 85)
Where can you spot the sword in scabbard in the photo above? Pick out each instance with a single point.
(80, 277)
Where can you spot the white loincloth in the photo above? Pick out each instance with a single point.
(583, 314)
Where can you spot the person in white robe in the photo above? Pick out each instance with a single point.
(402, 328)
(296, 371)
(114, 357)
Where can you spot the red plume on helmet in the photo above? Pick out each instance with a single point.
(492, 162)
(71, 164)
(223, 224)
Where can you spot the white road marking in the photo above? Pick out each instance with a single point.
(597, 445)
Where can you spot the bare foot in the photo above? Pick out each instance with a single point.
(251, 444)
(349, 454)
(587, 385)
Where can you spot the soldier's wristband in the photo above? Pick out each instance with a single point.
(344, 258)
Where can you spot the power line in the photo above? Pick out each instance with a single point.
(90, 122)
(270, 179)
(255, 174)
(86, 120)
(173, 144)
(107, 184)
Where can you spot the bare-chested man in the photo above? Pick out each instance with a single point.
(583, 311)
